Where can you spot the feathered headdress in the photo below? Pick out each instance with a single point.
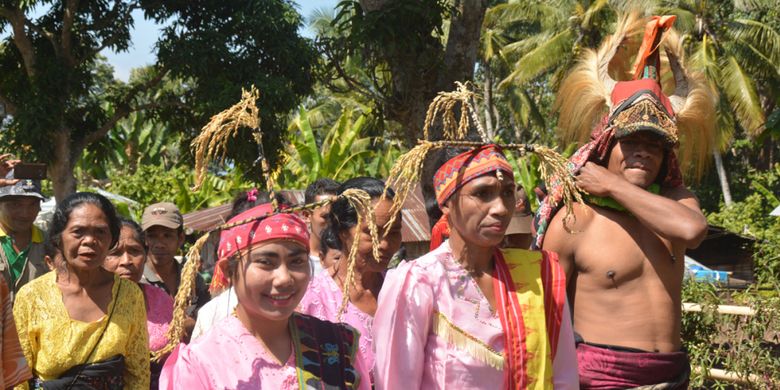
(596, 108)
(211, 145)
(592, 93)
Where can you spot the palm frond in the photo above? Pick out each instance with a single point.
(740, 90)
(510, 13)
(764, 39)
(704, 59)
(554, 51)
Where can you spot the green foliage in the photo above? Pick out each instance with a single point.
(744, 345)
(60, 97)
(341, 152)
(150, 184)
(750, 217)
(224, 46)
(739, 344)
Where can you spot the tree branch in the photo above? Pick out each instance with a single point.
(48, 35)
(68, 17)
(122, 111)
(109, 20)
(21, 40)
(462, 43)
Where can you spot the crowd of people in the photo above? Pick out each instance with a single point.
(303, 297)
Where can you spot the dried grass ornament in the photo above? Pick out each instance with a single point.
(405, 173)
(210, 146)
(359, 199)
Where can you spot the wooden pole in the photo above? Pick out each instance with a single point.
(722, 309)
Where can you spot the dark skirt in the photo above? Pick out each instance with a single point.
(105, 375)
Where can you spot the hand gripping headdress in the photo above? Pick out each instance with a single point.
(592, 104)
(261, 223)
(483, 157)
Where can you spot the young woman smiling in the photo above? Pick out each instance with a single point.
(265, 344)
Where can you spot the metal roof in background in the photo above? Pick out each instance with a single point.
(207, 219)
(415, 219)
(416, 226)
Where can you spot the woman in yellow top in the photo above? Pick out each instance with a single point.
(81, 325)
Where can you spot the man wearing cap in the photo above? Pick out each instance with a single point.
(22, 254)
(164, 228)
(623, 249)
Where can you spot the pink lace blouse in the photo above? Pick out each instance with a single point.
(159, 313)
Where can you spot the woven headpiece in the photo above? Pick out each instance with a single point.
(405, 174)
(466, 167)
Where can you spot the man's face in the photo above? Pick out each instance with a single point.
(17, 213)
(481, 210)
(318, 216)
(638, 158)
(163, 243)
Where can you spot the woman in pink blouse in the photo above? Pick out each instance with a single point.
(469, 315)
(264, 344)
(325, 295)
(127, 260)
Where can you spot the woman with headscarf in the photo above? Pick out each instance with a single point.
(264, 344)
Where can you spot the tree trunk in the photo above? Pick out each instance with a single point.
(488, 92)
(724, 182)
(61, 168)
(460, 56)
(418, 76)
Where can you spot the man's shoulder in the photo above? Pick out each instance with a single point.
(564, 222)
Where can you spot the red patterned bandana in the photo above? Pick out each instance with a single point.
(273, 227)
(466, 167)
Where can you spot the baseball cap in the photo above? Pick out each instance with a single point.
(24, 187)
(163, 214)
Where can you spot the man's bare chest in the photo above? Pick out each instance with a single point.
(616, 249)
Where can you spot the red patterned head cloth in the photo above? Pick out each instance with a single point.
(458, 171)
(280, 226)
(467, 166)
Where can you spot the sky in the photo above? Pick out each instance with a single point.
(145, 34)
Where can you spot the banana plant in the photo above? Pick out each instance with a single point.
(342, 154)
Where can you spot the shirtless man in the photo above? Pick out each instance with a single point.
(625, 268)
(623, 250)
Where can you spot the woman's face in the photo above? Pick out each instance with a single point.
(128, 256)
(481, 210)
(388, 244)
(272, 278)
(86, 238)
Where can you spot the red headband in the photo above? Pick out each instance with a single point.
(466, 167)
(273, 227)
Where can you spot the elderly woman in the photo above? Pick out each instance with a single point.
(326, 292)
(127, 260)
(82, 325)
(264, 344)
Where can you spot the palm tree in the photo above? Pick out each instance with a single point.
(733, 52)
(560, 29)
